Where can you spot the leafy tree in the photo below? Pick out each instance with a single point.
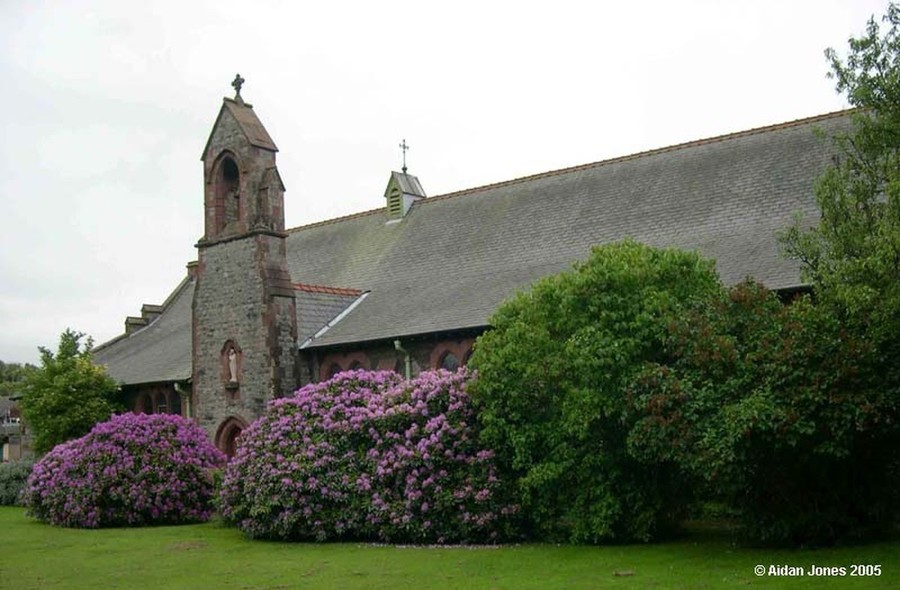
(780, 412)
(551, 386)
(68, 394)
(852, 257)
(13, 377)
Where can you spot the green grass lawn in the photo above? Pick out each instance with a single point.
(35, 555)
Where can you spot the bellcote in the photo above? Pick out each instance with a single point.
(246, 123)
(402, 191)
(243, 191)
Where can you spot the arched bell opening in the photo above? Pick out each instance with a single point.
(227, 192)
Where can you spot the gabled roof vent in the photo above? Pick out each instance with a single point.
(402, 191)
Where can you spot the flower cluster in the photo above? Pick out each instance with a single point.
(367, 455)
(133, 470)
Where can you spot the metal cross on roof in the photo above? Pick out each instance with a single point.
(238, 82)
(405, 148)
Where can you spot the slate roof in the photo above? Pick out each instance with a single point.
(317, 305)
(454, 258)
(450, 262)
(159, 352)
(408, 184)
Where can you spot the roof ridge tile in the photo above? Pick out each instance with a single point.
(599, 163)
(334, 220)
(308, 288)
(646, 153)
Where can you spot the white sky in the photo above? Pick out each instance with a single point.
(107, 106)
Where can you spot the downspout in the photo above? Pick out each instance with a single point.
(185, 398)
(315, 370)
(401, 350)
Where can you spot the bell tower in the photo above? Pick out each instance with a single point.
(244, 314)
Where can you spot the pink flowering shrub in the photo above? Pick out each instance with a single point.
(367, 455)
(133, 470)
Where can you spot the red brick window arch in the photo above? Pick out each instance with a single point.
(145, 403)
(467, 357)
(333, 370)
(160, 400)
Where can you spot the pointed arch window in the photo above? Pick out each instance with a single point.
(449, 361)
(228, 193)
(145, 403)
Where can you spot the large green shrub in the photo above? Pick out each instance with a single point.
(778, 410)
(13, 475)
(551, 383)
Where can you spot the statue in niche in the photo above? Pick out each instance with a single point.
(232, 366)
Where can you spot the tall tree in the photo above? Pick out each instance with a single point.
(852, 257)
(68, 394)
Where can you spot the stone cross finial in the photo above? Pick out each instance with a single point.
(404, 148)
(238, 82)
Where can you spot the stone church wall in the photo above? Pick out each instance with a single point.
(234, 307)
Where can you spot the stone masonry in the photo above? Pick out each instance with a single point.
(244, 316)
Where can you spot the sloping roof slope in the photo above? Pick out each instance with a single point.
(451, 261)
(159, 352)
(408, 184)
(318, 305)
(249, 123)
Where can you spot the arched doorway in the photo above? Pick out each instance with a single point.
(228, 433)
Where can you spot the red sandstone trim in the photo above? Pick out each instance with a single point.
(336, 220)
(330, 290)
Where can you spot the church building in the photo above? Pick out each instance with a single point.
(410, 284)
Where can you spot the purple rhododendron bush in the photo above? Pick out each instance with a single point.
(133, 470)
(368, 455)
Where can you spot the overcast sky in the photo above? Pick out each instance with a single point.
(108, 104)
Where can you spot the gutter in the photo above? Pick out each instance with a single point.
(184, 398)
(404, 352)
